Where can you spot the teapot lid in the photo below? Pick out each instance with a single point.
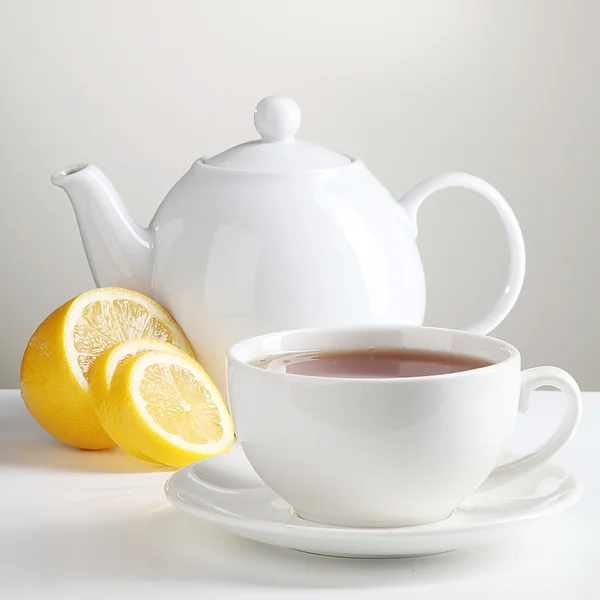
(277, 120)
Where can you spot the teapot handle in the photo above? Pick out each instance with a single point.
(411, 203)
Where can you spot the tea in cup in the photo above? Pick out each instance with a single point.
(385, 426)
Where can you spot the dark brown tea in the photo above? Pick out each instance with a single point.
(397, 362)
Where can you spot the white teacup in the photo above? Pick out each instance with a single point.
(386, 452)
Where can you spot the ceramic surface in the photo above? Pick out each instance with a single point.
(273, 234)
(386, 452)
(226, 491)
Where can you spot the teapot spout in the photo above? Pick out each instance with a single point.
(119, 251)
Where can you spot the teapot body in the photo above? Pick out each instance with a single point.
(238, 254)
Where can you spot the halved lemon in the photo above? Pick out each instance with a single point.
(58, 357)
(168, 408)
(101, 374)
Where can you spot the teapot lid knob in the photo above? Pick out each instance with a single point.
(277, 118)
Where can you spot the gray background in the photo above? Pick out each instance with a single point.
(509, 91)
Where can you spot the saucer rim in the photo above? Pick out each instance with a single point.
(438, 528)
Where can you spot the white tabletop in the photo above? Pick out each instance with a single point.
(77, 524)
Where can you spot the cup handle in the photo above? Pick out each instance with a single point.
(532, 379)
(411, 203)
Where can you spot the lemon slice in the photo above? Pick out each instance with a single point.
(100, 319)
(101, 374)
(168, 408)
(59, 355)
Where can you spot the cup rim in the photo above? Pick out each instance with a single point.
(233, 353)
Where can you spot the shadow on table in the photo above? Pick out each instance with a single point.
(157, 544)
(24, 443)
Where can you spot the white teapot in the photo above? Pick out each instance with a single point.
(273, 234)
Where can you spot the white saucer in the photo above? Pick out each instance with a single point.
(225, 490)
